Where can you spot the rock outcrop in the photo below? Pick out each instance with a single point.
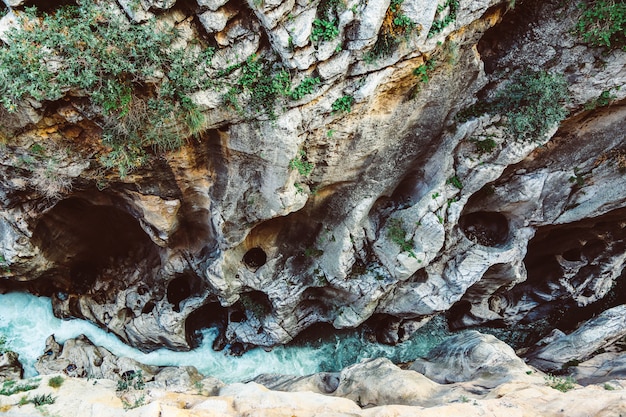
(371, 388)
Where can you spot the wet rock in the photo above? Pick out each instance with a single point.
(10, 366)
(79, 357)
(472, 356)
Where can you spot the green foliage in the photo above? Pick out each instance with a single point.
(484, 146)
(397, 234)
(324, 30)
(4, 266)
(94, 51)
(604, 99)
(3, 344)
(307, 86)
(446, 14)
(532, 103)
(137, 402)
(262, 85)
(603, 23)
(396, 27)
(455, 181)
(562, 384)
(10, 387)
(578, 178)
(608, 387)
(301, 164)
(423, 71)
(42, 399)
(343, 104)
(130, 380)
(326, 25)
(56, 381)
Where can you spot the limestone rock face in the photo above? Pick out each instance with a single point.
(366, 193)
(592, 336)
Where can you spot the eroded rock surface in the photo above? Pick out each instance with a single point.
(366, 195)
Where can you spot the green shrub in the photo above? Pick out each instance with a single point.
(93, 51)
(56, 381)
(423, 71)
(397, 234)
(307, 86)
(42, 399)
(446, 14)
(484, 146)
(604, 99)
(326, 25)
(324, 30)
(562, 384)
(10, 387)
(301, 164)
(130, 380)
(532, 103)
(603, 23)
(395, 28)
(343, 104)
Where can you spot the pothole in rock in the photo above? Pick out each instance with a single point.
(205, 317)
(255, 258)
(486, 228)
(182, 287)
(83, 239)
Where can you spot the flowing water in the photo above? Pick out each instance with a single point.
(26, 321)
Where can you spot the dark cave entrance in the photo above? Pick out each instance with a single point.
(182, 287)
(487, 228)
(82, 238)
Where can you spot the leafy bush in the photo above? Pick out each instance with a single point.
(343, 104)
(446, 14)
(532, 103)
(301, 164)
(305, 87)
(397, 234)
(260, 82)
(130, 380)
(56, 381)
(603, 23)
(92, 50)
(11, 387)
(324, 30)
(559, 383)
(423, 71)
(396, 27)
(42, 399)
(604, 99)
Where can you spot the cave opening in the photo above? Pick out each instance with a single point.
(487, 228)
(82, 238)
(209, 315)
(255, 258)
(182, 287)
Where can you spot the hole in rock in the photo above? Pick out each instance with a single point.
(182, 287)
(255, 258)
(409, 190)
(207, 316)
(255, 303)
(487, 228)
(572, 255)
(83, 238)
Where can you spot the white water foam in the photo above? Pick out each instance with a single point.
(26, 321)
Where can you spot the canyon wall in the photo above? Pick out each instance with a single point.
(347, 163)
